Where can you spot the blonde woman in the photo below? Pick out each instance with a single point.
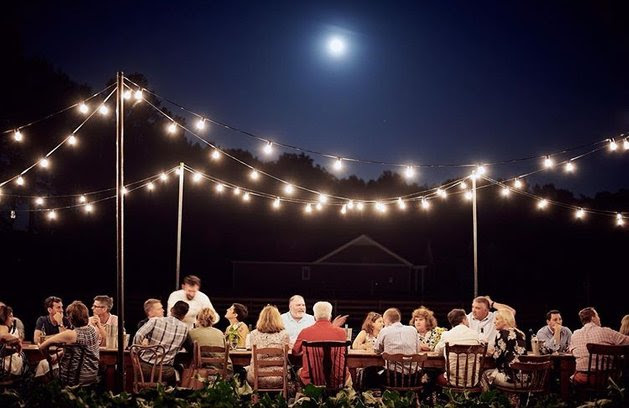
(371, 328)
(624, 325)
(509, 344)
(206, 335)
(269, 332)
(424, 321)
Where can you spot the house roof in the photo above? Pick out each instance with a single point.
(363, 241)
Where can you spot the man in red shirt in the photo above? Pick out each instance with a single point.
(322, 330)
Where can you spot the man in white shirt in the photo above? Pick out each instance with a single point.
(195, 299)
(396, 338)
(481, 319)
(296, 319)
(460, 334)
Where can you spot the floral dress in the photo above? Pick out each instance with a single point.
(432, 337)
(264, 340)
(510, 343)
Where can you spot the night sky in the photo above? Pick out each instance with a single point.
(446, 82)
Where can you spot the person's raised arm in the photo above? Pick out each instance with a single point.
(499, 306)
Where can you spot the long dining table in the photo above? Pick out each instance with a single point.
(563, 364)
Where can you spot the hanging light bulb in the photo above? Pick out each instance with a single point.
(246, 197)
(44, 163)
(17, 136)
(542, 204)
(200, 124)
(39, 201)
(468, 195)
(289, 189)
(569, 167)
(178, 171)
(308, 208)
(276, 203)
(103, 110)
(82, 199)
(380, 207)
(254, 175)
(619, 221)
(505, 192)
(323, 198)
(517, 183)
(124, 191)
(83, 108)
(481, 170)
(625, 144)
(344, 209)
(88, 208)
(613, 146)
(360, 206)
(219, 188)
(579, 214)
(549, 162)
(350, 205)
(197, 177)
(171, 128)
(409, 172)
(338, 164)
(236, 191)
(216, 154)
(401, 203)
(20, 181)
(52, 215)
(126, 94)
(138, 95)
(268, 148)
(425, 204)
(319, 206)
(72, 140)
(163, 177)
(150, 186)
(442, 193)
(463, 185)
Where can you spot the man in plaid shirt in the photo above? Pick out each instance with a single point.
(591, 332)
(169, 332)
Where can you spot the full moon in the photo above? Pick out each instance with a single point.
(336, 46)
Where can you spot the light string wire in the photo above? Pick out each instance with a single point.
(63, 141)
(370, 161)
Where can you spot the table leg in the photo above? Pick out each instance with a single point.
(566, 369)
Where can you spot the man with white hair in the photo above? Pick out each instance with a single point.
(296, 319)
(321, 330)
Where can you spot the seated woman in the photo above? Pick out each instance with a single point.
(509, 344)
(12, 364)
(269, 333)
(206, 335)
(237, 331)
(371, 328)
(426, 324)
(84, 335)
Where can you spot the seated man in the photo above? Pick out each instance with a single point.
(296, 319)
(591, 332)
(460, 334)
(169, 332)
(53, 322)
(322, 330)
(555, 337)
(102, 317)
(481, 318)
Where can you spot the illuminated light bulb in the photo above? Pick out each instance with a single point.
(216, 154)
(319, 206)
(542, 204)
(72, 140)
(338, 164)
(474, 176)
(463, 185)
(276, 203)
(83, 108)
(254, 175)
(579, 214)
(103, 110)
(44, 163)
(344, 209)
(517, 183)
(323, 198)
(200, 124)
(39, 201)
(52, 215)
(481, 170)
(380, 207)
(350, 205)
(569, 167)
(20, 181)
(409, 172)
(88, 208)
(124, 191)
(360, 206)
(625, 144)
(17, 136)
(619, 221)
(163, 177)
(442, 193)
(197, 177)
(219, 188)
(150, 186)
(613, 146)
(171, 128)
(308, 208)
(268, 148)
(505, 192)
(138, 95)
(246, 197)
(468, 195)
(289, 189)
(401, 204)
(178, 171)
(82, 199)
(549, 162)
(237, 191)
(425, 204)
(126, 94)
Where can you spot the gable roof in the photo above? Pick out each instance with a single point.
(364, 241)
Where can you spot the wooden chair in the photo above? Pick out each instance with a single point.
(155, 353)
(403, 372)
(273, 367)
(528, 378)
(463, 367)
(208, 364)
(7, 350)
(605, 363)
(68, 374)
(327, 364)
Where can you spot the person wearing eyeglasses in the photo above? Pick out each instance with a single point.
(102, 317)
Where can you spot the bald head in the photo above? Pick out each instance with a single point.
(297, 307)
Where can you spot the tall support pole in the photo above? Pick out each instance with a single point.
(475, 234)
(120, 226)
(179, 222)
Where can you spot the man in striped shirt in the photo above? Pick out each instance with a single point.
(169, 332)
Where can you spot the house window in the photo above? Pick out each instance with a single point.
(305, 273)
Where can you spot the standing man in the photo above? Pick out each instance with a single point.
(556, 337)
(481, 319)
(296, 319)
(52, 323)
(195, 299)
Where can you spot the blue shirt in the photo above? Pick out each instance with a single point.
(293, 327)
(550, 345)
